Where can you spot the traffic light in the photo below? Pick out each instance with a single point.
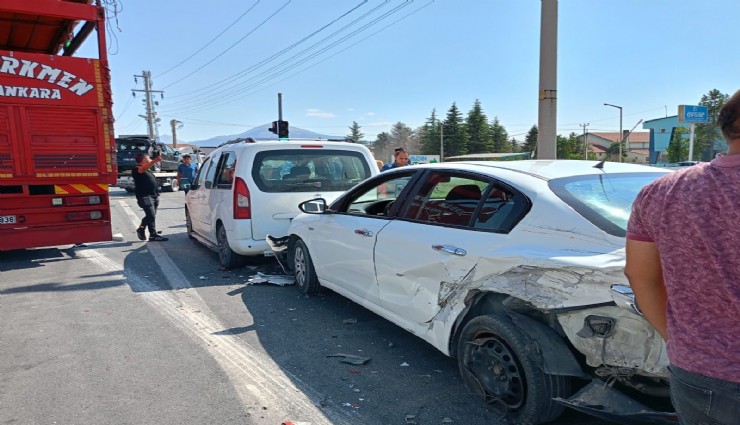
(274, 128)
(282, 129)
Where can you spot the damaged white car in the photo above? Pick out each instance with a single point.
(515, 268)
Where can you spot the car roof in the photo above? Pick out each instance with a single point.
(548, 169)
(294, 144)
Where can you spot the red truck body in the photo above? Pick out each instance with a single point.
(57, 150)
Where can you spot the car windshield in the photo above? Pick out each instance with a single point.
(603, 199)
(303, 170)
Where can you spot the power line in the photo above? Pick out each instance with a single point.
(232, 88)
(233, 45)
(250, 84)
(278, 54)
(212, 40)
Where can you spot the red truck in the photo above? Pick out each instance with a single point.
(57, 149)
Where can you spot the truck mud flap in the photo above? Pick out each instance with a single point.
(604, 402)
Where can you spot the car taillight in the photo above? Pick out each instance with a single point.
(242, 209)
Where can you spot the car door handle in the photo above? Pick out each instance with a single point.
(364, 232)
(449, 249)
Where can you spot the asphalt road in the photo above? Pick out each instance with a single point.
(133, 332)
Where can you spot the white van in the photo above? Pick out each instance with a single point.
(246, 190)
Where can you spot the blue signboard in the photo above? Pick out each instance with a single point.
(693, 114)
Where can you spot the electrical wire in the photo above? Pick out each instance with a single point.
(212, 40)
(250, 84)
(233, 45)
(280, 53)
(216, 96)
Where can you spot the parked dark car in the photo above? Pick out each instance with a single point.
(130, 146)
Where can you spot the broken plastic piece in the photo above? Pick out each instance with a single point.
(276, 279)
(349, 321)
(350, 358)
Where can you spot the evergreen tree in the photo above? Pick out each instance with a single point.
(355, 135)
(455, 133)
(382, 148)
(515, 145)
(479, 133)
(500, 137)
(401, 135)
(707, 135)
(429, 135)
(530, 140)
(570, 147)
(678, 148)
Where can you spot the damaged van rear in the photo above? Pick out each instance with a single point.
(514, 268)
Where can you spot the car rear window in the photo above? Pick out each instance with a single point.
(309, 170)
(603, 199)
(132, 145)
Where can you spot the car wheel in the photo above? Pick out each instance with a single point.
(189, 224)
(493, 361)
(305, 274)
(226, 256)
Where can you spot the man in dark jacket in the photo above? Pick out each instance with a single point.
(147, 196)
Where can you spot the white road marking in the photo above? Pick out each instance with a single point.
(257, 379)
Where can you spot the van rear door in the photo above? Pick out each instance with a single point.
(285, 177)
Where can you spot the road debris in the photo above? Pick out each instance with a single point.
(349, 321)
(350, 358)
(275, 279)
(404, 364)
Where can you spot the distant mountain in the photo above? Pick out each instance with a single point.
(260, 133)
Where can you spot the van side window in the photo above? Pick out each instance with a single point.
(225, 172)
(211, 174)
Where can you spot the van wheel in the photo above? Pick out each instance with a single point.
(189, 224)
(226, 256)
(493, 361)
(305, 274)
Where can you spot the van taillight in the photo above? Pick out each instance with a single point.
(242, 209)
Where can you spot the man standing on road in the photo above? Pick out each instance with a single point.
(683, 262)
(147, 196)
(186, 170)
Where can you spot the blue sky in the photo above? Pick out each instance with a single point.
(647, 56)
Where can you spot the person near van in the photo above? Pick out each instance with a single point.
(147, 196)
(400, 159)
(186, 170)
(683, 263)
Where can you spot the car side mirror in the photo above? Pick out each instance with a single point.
(209, 184)
(314, 206)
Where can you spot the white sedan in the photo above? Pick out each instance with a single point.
(515, 268)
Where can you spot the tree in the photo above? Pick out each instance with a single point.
(479, 133)
(678, 148)
(429, 135)
(355, 135)
(706, 135)
(500, 137)
(530, 140)
(382, 149)
(401, 135)
(455, 133)
(570, 147)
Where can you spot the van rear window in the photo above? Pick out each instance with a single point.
(303, 170)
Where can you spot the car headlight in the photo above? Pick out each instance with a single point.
(624, 297)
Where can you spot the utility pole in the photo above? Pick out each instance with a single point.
(175, 125)
(585, 142)
(621, 135)
(150, 114)
(548, 99)
(441, 142)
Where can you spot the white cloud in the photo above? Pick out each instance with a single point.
(370, 114)
(318, 113)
